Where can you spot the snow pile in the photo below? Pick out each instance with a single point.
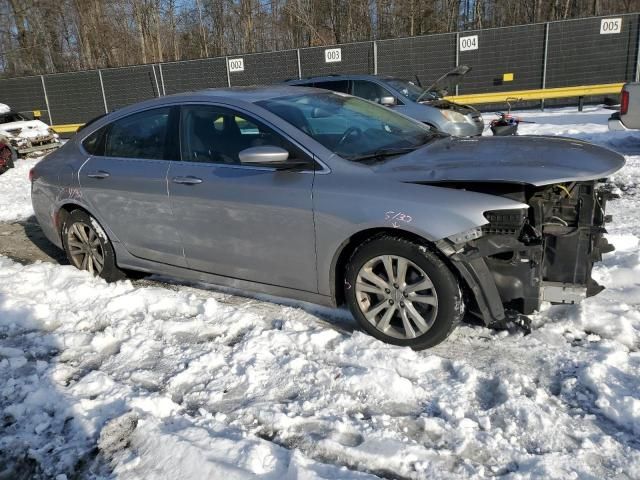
(15, 191)
(589, 125)
(4, 108)
(78, 352)
(196, 384)
(173, 381)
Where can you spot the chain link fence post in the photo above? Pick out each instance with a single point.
(104, 97)
(226, 67)
(544, 61)
(457, 55)
(299, 64)
(637, 76)
(46, 99)
(375, 57)
(164, 92)
(155, 79)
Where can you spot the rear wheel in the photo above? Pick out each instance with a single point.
(88, 248)
(402, 293)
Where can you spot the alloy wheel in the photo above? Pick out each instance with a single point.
(85, 248)
(396, 296)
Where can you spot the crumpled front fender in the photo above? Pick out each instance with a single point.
(345, 206)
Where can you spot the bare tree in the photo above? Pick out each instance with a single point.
(38, 36)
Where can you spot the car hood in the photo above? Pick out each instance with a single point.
(534, 160)
(448, 82)
(25, 129)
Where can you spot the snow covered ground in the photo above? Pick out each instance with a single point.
(15, 191)
(176, 381)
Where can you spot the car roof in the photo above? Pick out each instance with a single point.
(328, 78)
(250, 94)
(237, 95)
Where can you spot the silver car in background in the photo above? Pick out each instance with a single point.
(426, 105)
(332, 199)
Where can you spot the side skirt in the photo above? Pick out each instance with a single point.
(127, 261)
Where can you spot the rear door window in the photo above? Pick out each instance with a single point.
(341, 86)
(142, 135)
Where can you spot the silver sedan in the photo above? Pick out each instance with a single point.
(328, 198)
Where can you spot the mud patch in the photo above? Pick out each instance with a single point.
(24, 242)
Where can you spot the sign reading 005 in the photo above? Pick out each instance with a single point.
(610, 25)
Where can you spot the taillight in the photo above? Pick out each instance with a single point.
(624, 102)
(32, 175)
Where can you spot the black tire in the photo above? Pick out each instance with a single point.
(6, 158)
(109, 271)
(450, 305)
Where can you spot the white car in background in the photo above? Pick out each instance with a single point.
(628, 118)
(25, 136)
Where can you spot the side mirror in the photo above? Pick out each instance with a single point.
(320, 113)
(266, 155)
(388, 101)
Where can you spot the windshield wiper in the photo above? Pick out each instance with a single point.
(383, 152)
(390, 152)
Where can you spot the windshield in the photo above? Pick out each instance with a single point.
(10, 117)
(350, 127)
(410, 90)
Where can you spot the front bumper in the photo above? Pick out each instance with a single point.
(543, 253)
(39, 148)
(465, 129)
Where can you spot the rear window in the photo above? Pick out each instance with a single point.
(341, 86)
(94, 143)
(140, 135)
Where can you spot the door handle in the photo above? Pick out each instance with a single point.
(187, 180)
(98, 174)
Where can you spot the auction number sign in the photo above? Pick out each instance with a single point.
(610, 25)
(332, 55)
(236, 65)
(469, 42)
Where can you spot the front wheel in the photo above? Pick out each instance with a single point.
(402, 293)
(88, 248)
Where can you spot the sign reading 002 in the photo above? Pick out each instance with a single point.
(469, 42)
(332, 55)
(236, 64)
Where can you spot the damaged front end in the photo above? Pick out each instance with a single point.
(34, 142)
(522, 257)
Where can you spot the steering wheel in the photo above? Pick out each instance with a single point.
(349, 132)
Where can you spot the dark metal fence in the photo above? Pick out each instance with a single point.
(577, 51)
(557, 54)
(427, 57)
